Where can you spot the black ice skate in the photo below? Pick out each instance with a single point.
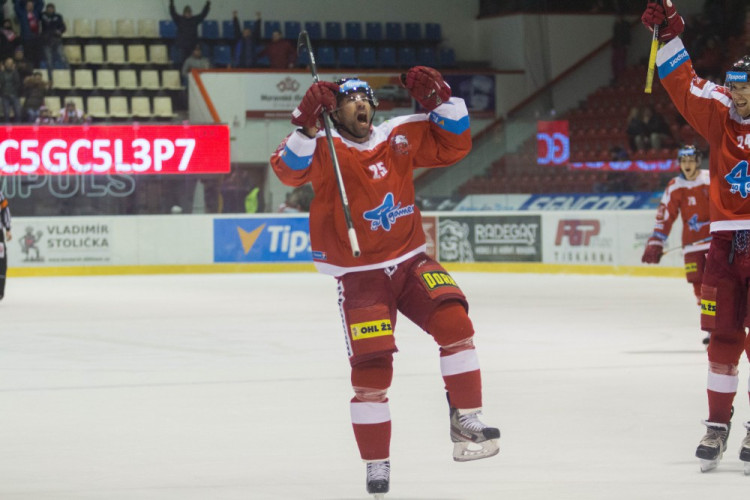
(378, 478)
(713, 445)
(745, 450)
(472, 439)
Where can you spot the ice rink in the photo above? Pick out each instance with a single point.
(235, 386)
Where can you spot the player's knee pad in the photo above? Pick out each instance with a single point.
(725, 347)
(722, 368)
(374, 374)
(450, 325)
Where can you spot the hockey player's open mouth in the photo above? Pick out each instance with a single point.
(362, 117)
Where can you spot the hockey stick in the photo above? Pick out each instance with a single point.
(303, 42)
(704, 240)
(652, 60)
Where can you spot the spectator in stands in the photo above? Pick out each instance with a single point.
(280, 52)
(24, 67)
(196, 60)
(29, 13)
(53, 27)
(10, 91)
(187, 30)
(247, 46)
(9, 40)
(620, 43)
(45, 117)
(657, 129)
(34, 91)
(637, 132)
(71, 115)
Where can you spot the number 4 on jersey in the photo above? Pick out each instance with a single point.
(739, 179)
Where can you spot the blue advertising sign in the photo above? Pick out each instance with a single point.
(604, 201)
(278, 239)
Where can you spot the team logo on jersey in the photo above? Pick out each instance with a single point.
(708, 307)
(370, 329)
(400, 144)
(739, 179)
(695, 225)
(436, 279)
(386, 214)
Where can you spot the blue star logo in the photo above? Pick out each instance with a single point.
(696, 225)
(386, 214)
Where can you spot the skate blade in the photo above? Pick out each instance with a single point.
(379, 496)
(707, 465)
(466, 451)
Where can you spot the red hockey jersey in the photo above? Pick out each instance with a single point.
(689, 200)
(378, 178)
(708, 108)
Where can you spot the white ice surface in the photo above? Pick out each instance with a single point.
(203, 387)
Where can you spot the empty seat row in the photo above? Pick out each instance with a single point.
(109, 79)
(116, 54)
(116, 106)
(107, 28)
(386, 57)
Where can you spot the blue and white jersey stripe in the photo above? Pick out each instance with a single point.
(671, 56)
(298, 152)
(451, 116)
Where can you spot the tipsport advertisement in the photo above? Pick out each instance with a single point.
(277, 239)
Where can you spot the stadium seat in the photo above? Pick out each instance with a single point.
(210, 30)
(373, 31)
(73, 53)
(426, 57)
(53, 103)
(433, 32)
(82, 28)
(170, 79)
(93, 54)
(61, 79)
(227, 29)
(150, 79)
(367, 56)
(115, 54)
(163, 107)
(118, 106)
(326, 56)
(158, 54)
(137, 54)
(148, 28)
(125, 28)
(413, 31)
(83, 78)
(314, 29)
(353, 30)
(447, 57)
(268, 27)
(407, 57)
(387, 57)
(105, 79)
(103, 28)
(167, 28)
(393, 32)
(333, 30)
(140, 107)
(127, 79)
(96, 107)
(347, 57)
(292, 30)
(222, 55)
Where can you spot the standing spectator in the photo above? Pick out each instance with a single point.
(392, 273)
(196, 60)
(246, 48)
(29, 13)
(280, 52)
(187, 30)
(620, 43)
(5, 235)
(34, 91)
(53, 27)
(656, 128)
(24, 67)
(10, 91)
(71, 115)
(636, 130)
(9, 40)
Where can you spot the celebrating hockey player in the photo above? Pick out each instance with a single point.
(721, 114)
(393, 272)
(687, 196)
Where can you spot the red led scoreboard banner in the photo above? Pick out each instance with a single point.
(127, 149)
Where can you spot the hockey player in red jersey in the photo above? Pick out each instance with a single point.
(721, 114)
(393, 272)
(686, 196)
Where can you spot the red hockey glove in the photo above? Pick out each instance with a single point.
(670, 23)
(427, 86)
(653, 252)
(320, 95)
